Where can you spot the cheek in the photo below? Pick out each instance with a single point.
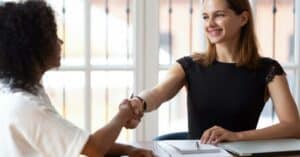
(220, 22)
(235, 29)
(232, 27)
(58, 48)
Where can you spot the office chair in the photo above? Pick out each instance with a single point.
(172, 136)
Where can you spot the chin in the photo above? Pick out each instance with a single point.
(215, 40)
(57, 65)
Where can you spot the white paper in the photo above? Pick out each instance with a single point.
(193, 147)
(188, 148)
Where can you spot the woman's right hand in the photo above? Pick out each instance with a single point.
(137, 108)
(126, 111)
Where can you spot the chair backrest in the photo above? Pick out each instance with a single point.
(172, 136)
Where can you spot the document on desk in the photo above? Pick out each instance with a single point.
(192, 148)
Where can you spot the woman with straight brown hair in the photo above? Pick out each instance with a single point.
(229, 84)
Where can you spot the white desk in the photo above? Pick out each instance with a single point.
(152, 145)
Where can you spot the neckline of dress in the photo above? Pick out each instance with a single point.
(224, 63)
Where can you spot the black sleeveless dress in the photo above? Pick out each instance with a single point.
(226, 95)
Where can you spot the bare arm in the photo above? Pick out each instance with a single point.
(286, 109)
(119, 149)
(102, 141)
(174, 81)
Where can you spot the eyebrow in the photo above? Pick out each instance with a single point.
(218, 11)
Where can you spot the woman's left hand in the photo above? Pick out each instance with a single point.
(218, 134)
(139, 152)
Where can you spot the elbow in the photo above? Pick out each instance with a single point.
(295, 128)
(297, 134)
(99, 152)
(94, 149)
(100, 149)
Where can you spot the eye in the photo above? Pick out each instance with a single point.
(220, 15)
(205, 17)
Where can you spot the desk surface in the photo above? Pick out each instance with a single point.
(152, 145)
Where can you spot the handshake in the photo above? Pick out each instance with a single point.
(131, 111)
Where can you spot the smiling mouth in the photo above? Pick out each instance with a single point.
(214, 32)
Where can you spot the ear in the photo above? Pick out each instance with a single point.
(244, 16)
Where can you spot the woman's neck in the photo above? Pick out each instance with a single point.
(226, 51)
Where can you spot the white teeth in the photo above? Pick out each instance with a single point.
(215, 32)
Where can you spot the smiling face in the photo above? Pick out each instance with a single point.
(221, 23)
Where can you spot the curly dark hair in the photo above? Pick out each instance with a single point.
(27, 39)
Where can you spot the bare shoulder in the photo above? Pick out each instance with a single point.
(196, 56)
(176, 70)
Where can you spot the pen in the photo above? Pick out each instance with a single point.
(131, 96)
(197, 145)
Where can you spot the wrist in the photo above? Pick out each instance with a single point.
(239, 136)
(122, 118)
(142, 101)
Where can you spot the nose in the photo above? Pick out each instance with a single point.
(60, 41)
(210, 22)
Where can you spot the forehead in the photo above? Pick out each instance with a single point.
(214, 5)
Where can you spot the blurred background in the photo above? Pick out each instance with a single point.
(113, 48)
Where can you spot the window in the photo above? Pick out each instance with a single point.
(178, 37)
(277, 41)
(97, 62)
(114, 47)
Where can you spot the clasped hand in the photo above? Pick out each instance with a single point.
(135, 106)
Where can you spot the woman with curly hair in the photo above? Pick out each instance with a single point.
(29, 124)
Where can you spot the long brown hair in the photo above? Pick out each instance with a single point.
(248, 50)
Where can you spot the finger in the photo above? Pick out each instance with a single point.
(140, 116)
(215, 127)
(205, 136)
(219, 139)
(148, 154)
(152, 154)
(140, 103)
(124, 104)
(215, 134)
(202, 139)
(137, 105)
(211, 137)
(125, 101)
